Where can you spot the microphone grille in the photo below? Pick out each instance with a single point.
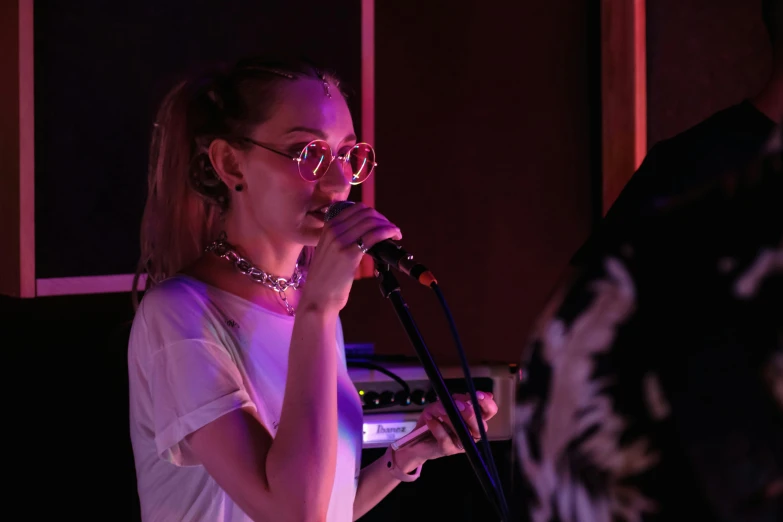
(335, 208)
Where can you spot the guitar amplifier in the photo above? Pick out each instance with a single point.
(391, 412)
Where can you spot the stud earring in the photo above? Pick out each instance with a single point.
(238, 188)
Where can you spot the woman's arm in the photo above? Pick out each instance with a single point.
(375, 481)
(275, 479)
(291, 477)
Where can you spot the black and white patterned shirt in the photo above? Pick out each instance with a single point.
(653, 385)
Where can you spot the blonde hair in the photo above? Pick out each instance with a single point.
(185, 198)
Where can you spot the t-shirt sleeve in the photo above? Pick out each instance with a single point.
(193, 382)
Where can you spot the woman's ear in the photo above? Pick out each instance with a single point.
(225, 162)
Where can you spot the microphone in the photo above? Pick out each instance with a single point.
(388, 252)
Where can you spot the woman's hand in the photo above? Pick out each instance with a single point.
(443, 439)
(337, 255)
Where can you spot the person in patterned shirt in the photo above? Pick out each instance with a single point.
(653, 383)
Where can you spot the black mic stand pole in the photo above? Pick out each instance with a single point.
(390, 288)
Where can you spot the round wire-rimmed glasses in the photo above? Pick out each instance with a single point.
(316, 157)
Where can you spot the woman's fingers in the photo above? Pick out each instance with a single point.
(364, 224)
(444, 434)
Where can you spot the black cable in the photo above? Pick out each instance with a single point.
(472, 391)
(372, 366)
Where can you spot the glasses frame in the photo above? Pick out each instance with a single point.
(298, 158)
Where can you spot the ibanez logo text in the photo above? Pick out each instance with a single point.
(391, 429)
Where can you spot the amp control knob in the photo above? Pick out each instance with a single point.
(372, 399)
(418, 398)
(387, 398)
(402, 398)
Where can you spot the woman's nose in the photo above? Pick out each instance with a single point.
(335, 179)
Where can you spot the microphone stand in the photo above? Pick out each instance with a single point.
(390, 288)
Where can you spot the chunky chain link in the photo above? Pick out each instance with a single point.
(223, 249)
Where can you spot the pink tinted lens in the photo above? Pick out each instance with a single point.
(361, 163)
(315, 160)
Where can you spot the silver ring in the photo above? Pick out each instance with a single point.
(361, 246)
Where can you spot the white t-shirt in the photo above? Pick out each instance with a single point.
(195, 353)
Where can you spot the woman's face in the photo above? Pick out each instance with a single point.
(277, 202)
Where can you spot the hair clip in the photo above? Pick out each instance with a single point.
(325, 82)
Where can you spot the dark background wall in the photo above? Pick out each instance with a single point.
(702, 56)
(100, 72)
(487, 121)
(488, 118)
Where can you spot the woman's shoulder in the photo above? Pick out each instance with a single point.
(177, 288)
(177, 303)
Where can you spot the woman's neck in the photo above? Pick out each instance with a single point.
(223, 274)
(265, 251)
(262, 251)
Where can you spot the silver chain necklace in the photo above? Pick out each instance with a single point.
(223, 249)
